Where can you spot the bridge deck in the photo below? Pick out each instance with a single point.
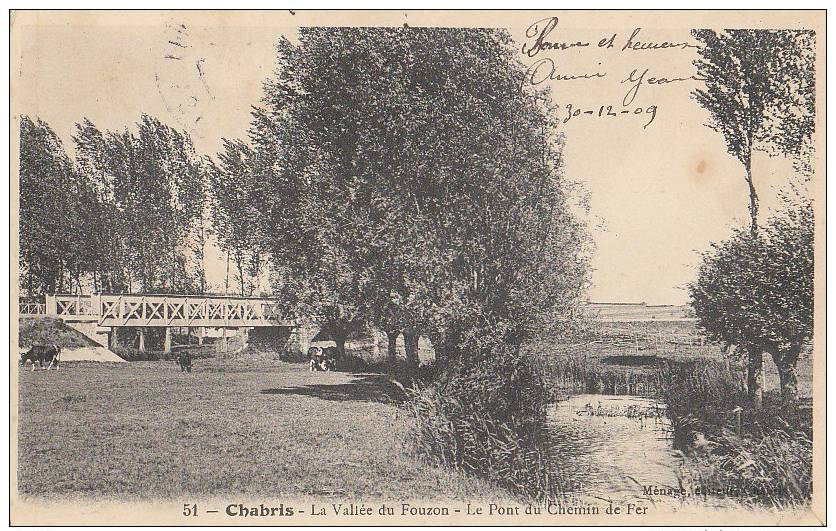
(167, 310)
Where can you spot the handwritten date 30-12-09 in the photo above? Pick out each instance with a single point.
(607, 111)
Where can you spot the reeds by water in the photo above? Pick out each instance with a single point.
(576, 374)
(450, 434)
(762, 456)
(488, 418)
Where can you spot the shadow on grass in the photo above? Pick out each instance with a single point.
(364, 388)
(632, 361)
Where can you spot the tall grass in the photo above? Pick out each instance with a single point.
(571, 374)
(487, 417)
(764, 456)
(701, 397)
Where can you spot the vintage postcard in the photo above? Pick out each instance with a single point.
(417, 267)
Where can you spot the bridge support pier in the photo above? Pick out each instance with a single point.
(142, 339)
(167, 345)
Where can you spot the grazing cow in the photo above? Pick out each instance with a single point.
(332, 357)
(184, 359)
(42, 354)
(316, 357)
(323, 359)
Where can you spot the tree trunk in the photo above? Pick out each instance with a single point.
(392, 347)
(410, 341)
(753, 197)
(789, 380)
(226, 282)
(338, 330)
(754, 380)
(173, 266)
(340, 341)
(60, 278)
(786, 362)
(239, 263)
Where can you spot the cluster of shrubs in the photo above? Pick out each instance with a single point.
(486, 415)
(763, 455)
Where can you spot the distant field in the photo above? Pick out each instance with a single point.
(637, 311)
(636, 348)
(145, 430)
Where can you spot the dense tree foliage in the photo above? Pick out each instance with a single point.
(416, 184)
(59, 214)
(152, 193)
(756, 291)
(233, 192)
(127, 214)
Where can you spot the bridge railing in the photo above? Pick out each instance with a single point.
(70, 306)
(31, 308)
(167, 310)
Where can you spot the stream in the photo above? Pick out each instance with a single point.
(608, 447)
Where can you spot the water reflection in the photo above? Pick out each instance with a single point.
(609, 447)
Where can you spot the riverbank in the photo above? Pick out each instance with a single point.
(763, 456)
(756, 457)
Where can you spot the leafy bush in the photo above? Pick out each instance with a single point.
(130, 353)
(488, 418)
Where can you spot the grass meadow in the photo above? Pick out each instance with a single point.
(146, 430)
(248, 423)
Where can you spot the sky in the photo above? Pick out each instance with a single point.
(658, 195)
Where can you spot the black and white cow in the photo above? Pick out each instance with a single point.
(42, 354)
(323, 359)
(315, 357)
(332, 356)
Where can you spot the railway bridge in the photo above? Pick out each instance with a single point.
(98, 315)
